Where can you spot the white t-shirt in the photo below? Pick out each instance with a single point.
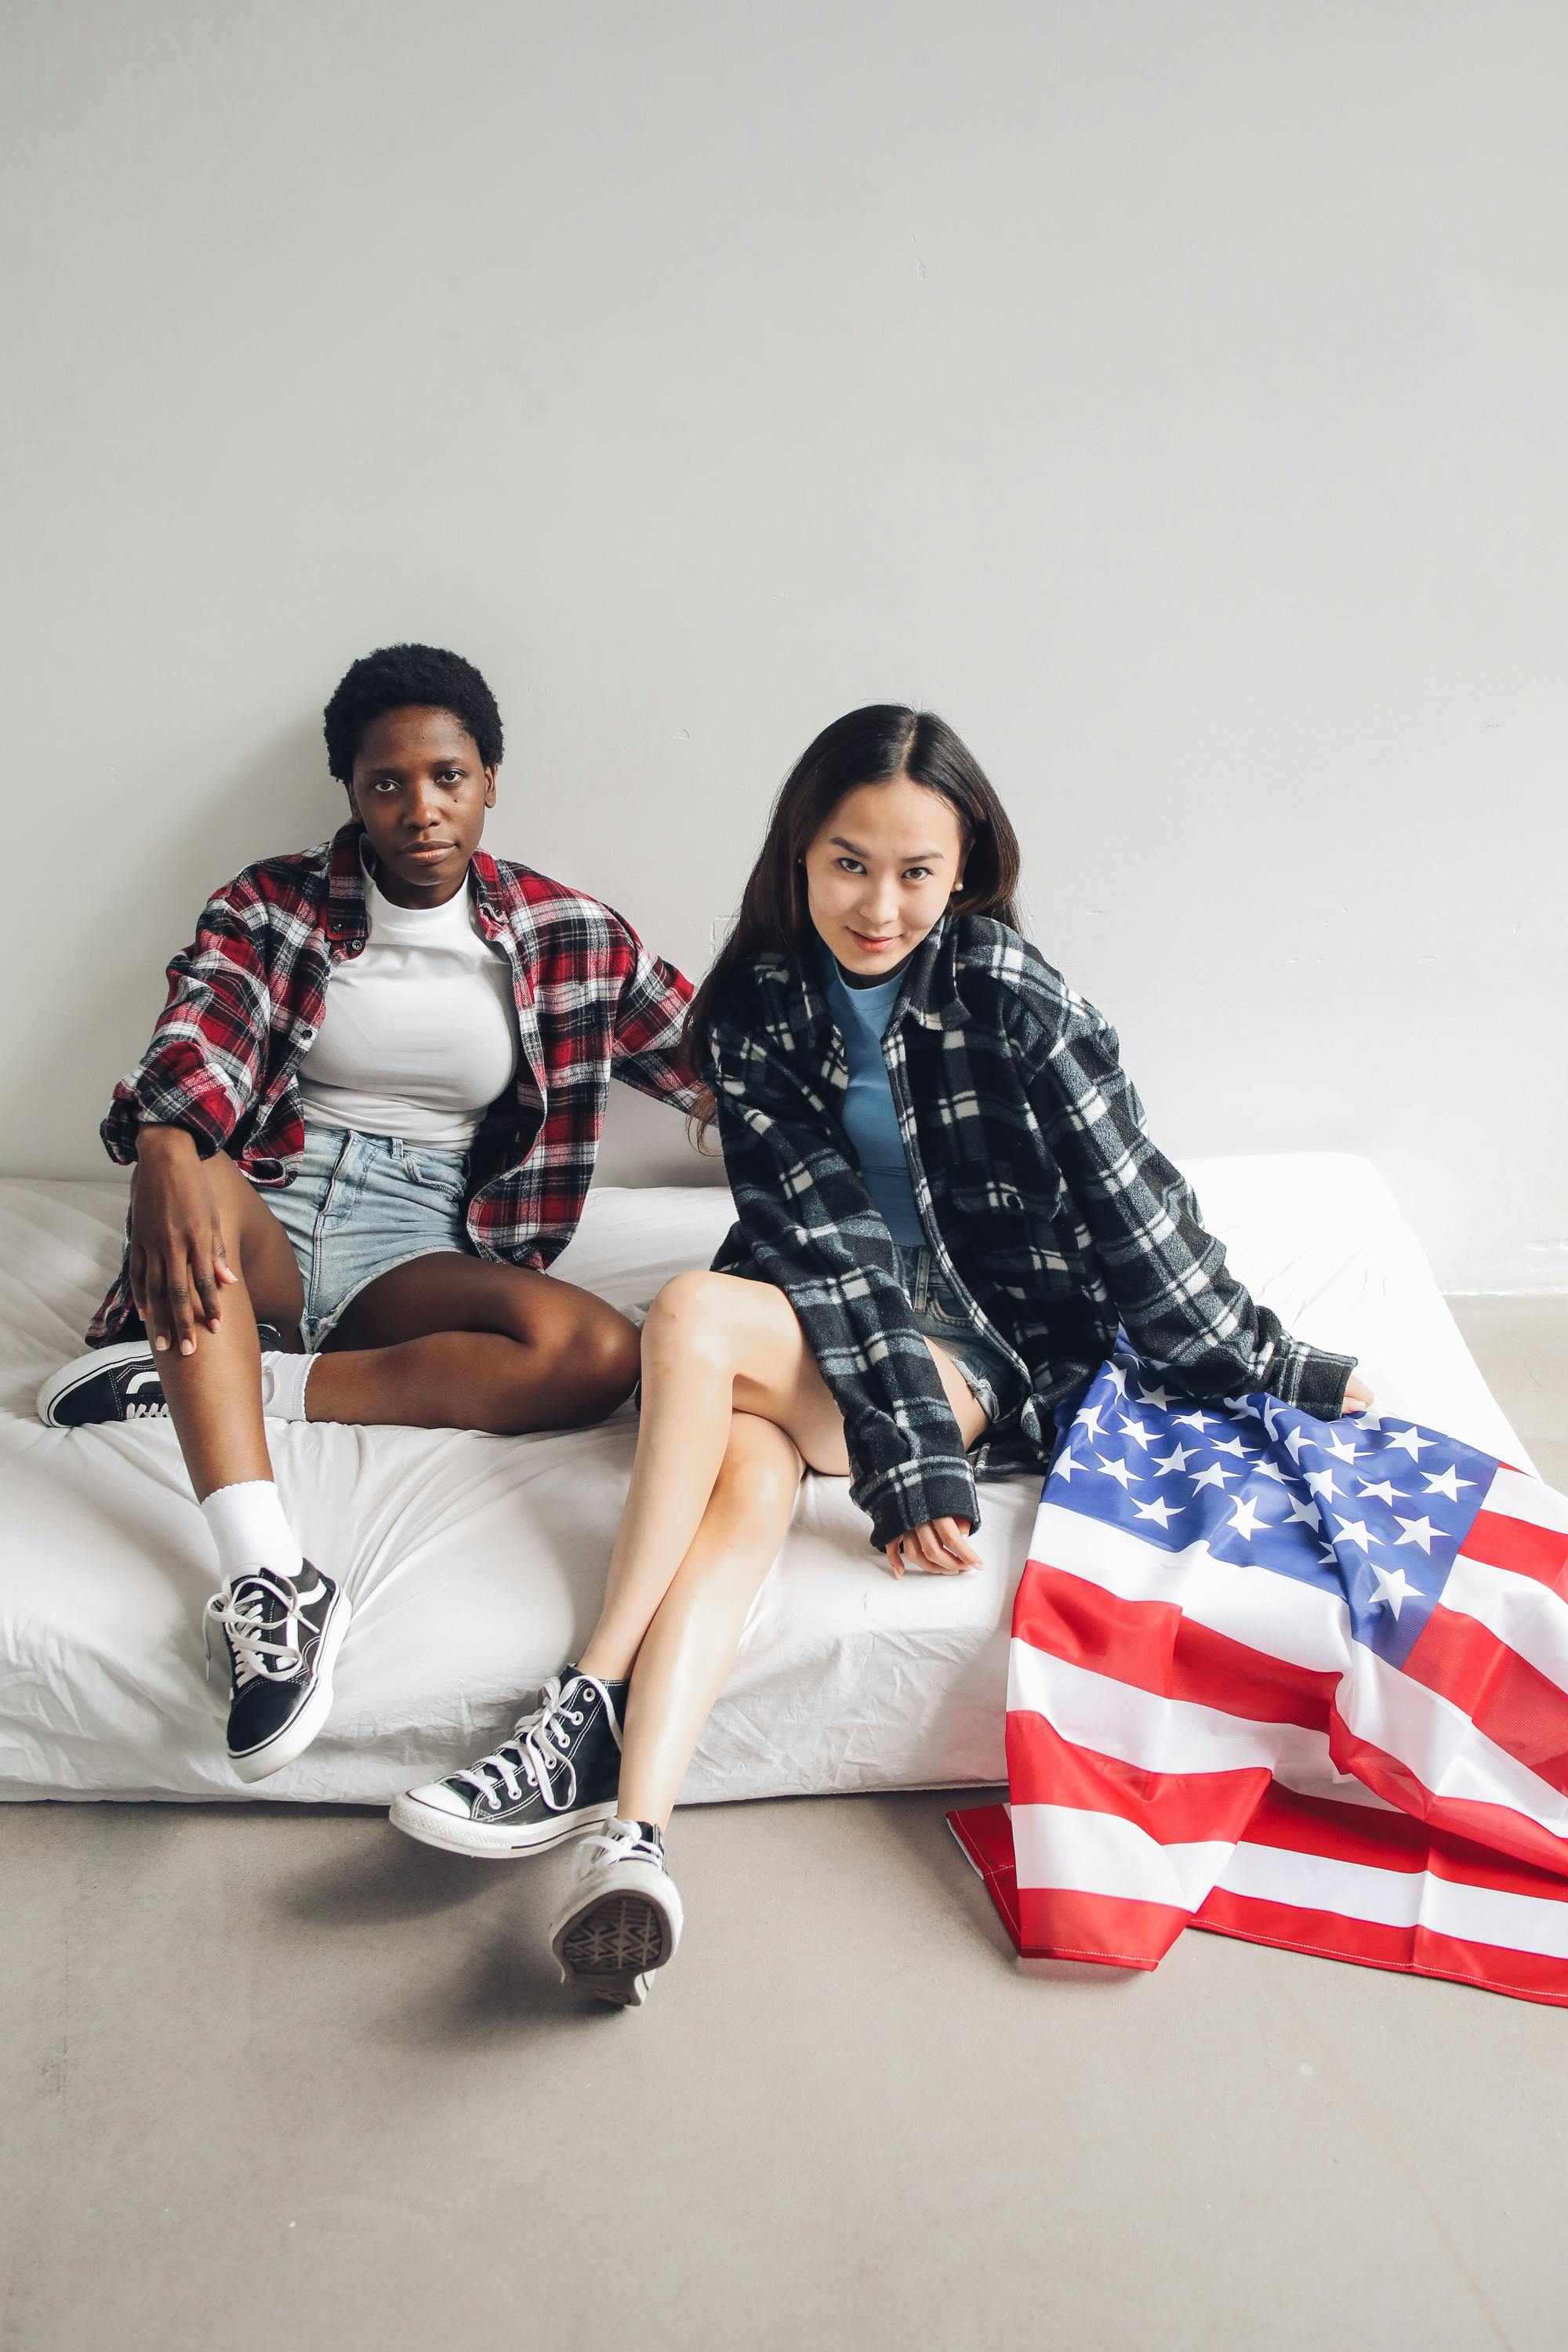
(419, 1035)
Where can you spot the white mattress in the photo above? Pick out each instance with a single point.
(475, 1564)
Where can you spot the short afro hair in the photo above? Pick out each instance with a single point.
(397, 676)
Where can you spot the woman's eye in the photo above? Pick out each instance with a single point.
(918, 874)
(849, 866)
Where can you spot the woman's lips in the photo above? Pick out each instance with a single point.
(861, 939)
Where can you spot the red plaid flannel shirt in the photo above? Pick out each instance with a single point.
(247, 999)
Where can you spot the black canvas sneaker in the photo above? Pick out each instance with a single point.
(115, 1383)
(283, 1634)
(622, 1919)
(561, 1767)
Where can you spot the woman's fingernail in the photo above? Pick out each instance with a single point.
(187, 1347)
(160, 1343)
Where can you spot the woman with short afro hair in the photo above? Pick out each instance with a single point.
(362, 1130)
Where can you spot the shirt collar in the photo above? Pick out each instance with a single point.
(930, 993)
(347, 914)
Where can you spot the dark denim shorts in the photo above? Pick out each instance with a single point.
(939, 1315)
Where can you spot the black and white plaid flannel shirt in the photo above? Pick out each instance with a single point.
(1044, 1203)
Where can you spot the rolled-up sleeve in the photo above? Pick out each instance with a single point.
(204, 1063)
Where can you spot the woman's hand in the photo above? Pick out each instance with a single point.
(942, 1546)
(178, 1261)
(1358, 1396)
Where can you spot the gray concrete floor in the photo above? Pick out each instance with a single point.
(280, 2078)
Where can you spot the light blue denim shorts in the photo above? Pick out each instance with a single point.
(939, 1315)
(360, 1205)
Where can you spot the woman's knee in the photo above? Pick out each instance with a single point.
(693, 1321)
(599, 1360)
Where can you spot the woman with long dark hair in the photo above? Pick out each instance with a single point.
(947, 1203)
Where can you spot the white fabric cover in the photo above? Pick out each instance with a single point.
(475, 1564)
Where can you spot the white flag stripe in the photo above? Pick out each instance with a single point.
(1061, 1848)
(1426, 1732)
(1518, 1497)
(1158, 1735)
(1441, 1746)
(1302, 1624)
(1399, 1898)
(1324, 1779)
(1101, 1854)
(1528, 1617)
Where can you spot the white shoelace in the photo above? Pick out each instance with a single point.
(617, 1840)
(539, 1744)
(240, 1607)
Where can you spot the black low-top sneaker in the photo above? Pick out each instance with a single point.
(114, 1384)
(117, 1384)
(283, 1634)
(561, 1767)
(622, 1918)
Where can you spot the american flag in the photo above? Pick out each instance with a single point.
(1300, 1682)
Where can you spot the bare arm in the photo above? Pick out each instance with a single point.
(179, 1261)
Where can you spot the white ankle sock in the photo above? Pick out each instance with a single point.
(248, 1528)
(283, 1380)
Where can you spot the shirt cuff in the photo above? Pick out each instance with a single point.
(1310, 1378)
(912, 1492)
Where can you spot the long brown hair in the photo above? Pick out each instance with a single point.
(875, 745)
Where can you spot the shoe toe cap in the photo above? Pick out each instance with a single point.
(440, 1797)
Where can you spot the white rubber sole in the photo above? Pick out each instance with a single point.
(481, 1843)
(260, 1763)
(83, 1369)
(608, 1942)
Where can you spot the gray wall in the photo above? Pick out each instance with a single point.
(1173, 395)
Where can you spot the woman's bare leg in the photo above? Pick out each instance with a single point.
(450, 1341)
(715, 1346)
(689, 1648)
(712, 1344)
(446, 1342)
(214, 1395)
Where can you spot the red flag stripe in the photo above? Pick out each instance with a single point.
(1278, 1616)
(1448, 1906)
(1523, 1546)
(1476, 1821)
(1494, 1967)
(1056, 1924)
(1391, 1841)
(1155, 1646)
(1173, 1808)
(1517, 1708)
(1117, 1932)
(985, 1835)
(1516, 1494)
(1531, 1620)
(1417, 1740)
